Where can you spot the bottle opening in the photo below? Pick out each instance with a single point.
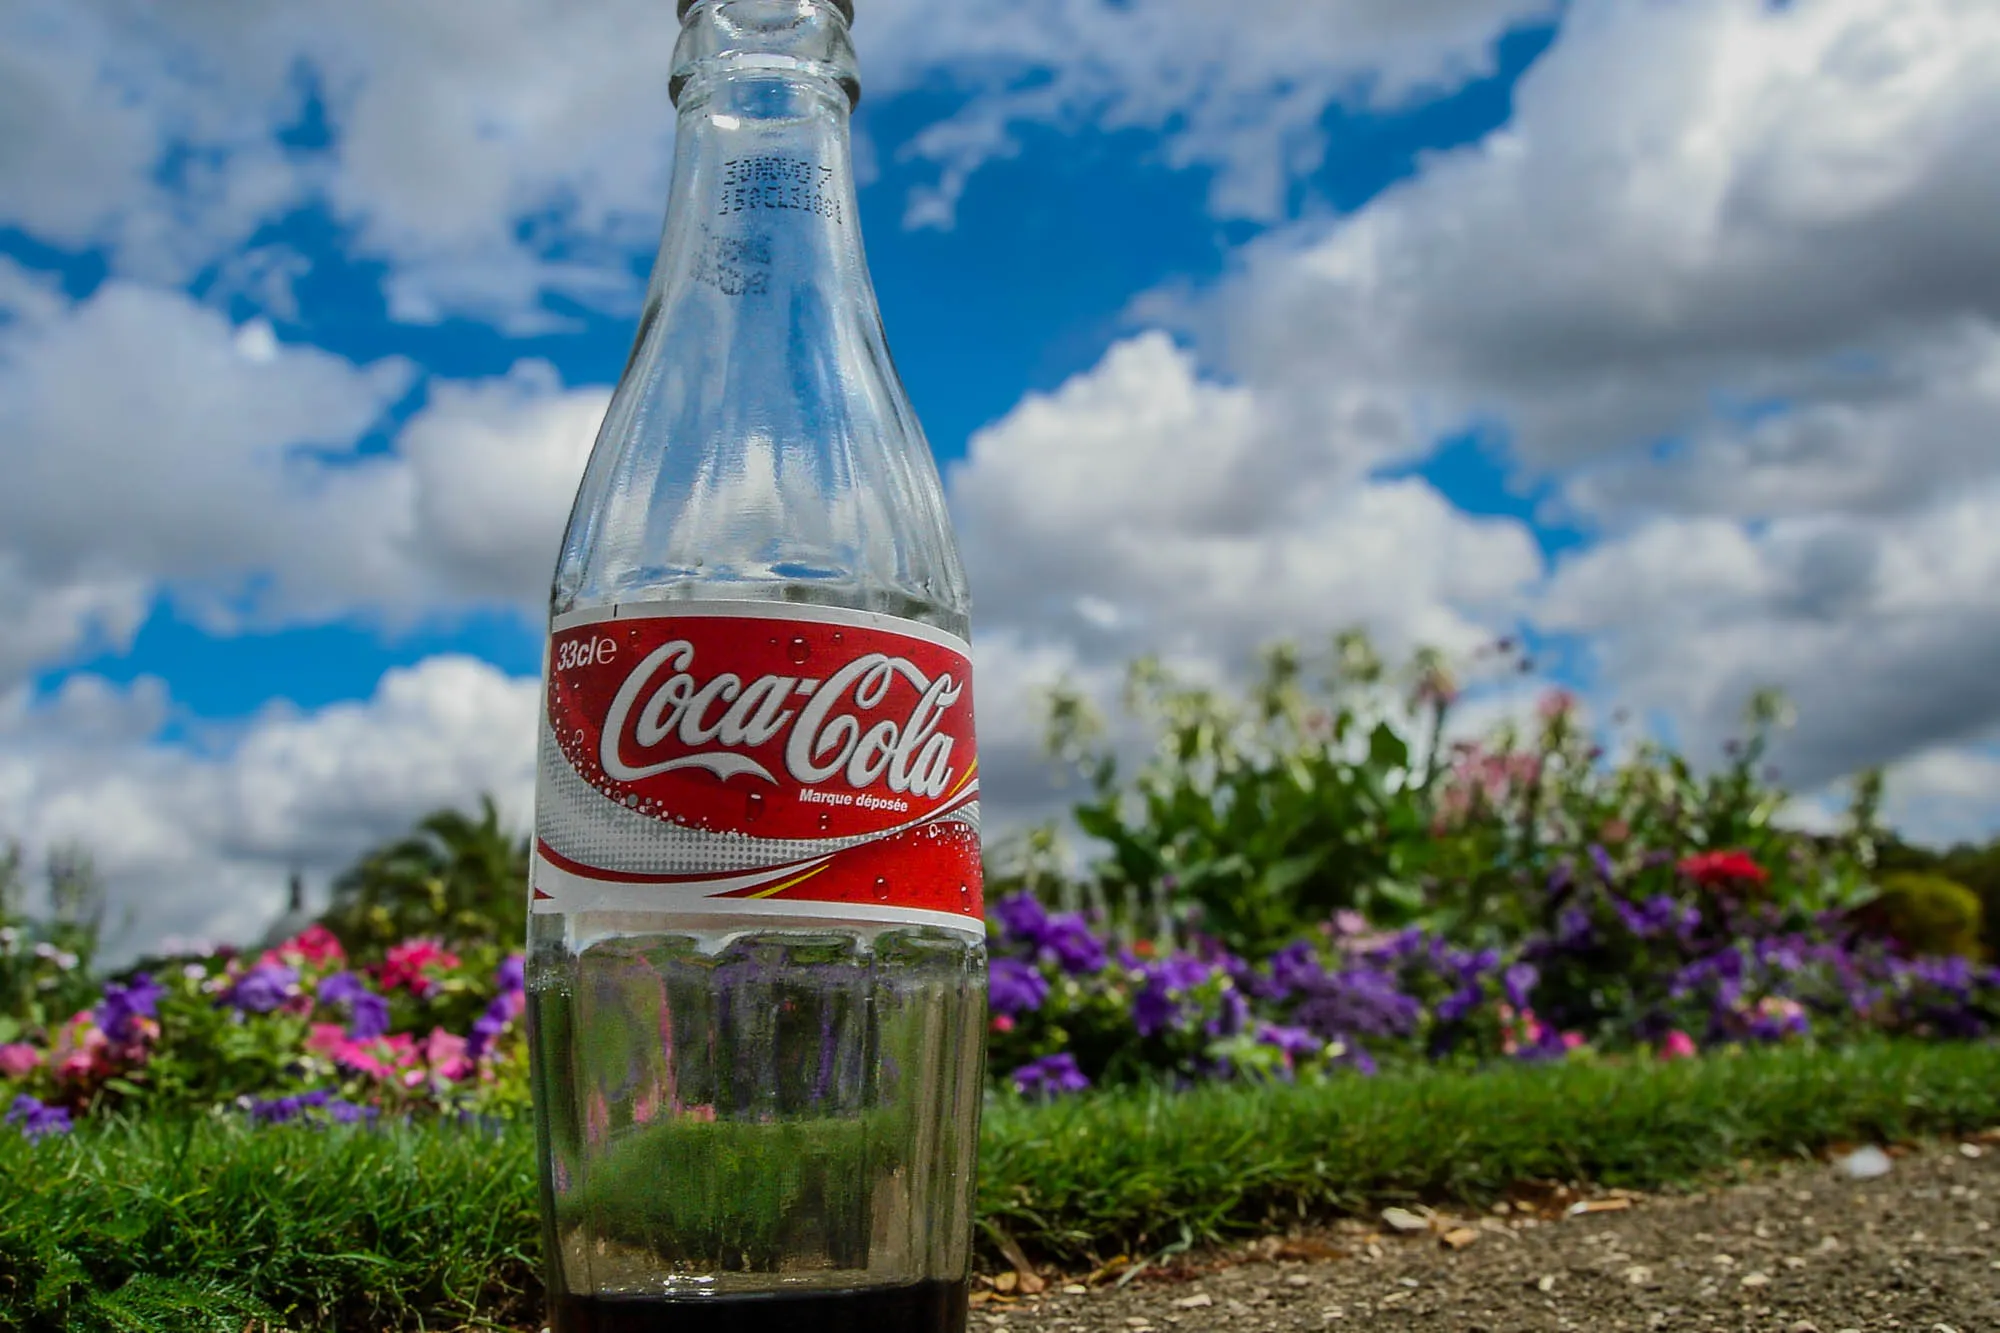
(800, 37)
(846, 8)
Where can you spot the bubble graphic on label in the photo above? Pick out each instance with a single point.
(825, 822)
(881, 888)
(753, 806)
(799, 651)
(965, 893)
(632, 802)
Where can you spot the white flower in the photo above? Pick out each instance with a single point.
(45, 950)
(8, 937)
(194, 971)
(66, 960)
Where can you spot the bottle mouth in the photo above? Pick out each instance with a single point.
(846, 8)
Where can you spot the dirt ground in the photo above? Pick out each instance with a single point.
(1804, 1250)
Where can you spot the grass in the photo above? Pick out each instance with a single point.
(140, 1226)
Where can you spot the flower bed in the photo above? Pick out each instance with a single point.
(1659, 962)
(292, 1034)
(1656, 962)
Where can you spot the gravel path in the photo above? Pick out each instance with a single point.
(1804, 1250)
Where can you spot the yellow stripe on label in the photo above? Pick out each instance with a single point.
(962, 781)
(780, 888)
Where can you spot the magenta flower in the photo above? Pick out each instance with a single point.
(18, 1060)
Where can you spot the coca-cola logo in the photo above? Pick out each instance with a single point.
(779, 727)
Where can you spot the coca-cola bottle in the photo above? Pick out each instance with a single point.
(756, 964)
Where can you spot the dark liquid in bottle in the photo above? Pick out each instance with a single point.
(926, 1307)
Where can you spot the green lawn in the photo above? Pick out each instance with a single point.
(135, 1226)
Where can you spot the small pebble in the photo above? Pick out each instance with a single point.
(1864, 1164)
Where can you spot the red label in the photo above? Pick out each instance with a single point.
(842, 740)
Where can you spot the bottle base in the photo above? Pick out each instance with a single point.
(923, 1307)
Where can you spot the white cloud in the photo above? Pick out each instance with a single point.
(1142, 506)
(497, 151)
(1728, 279)
(493, 466)
(1239, 90)
(198, 843)
(216, 467)
(1696, 205)
(145, 448)
(1883, 630)
(1946, 795)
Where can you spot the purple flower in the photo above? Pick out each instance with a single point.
(1023, 919)
(368, 1016)
(1950, 973)
(1292, 968)
(490, 1025)
(1076, 950)
(1157, 1006)
(1050, 1076)
(1360, 1001)
(1560, 877)
(512, 974)
(36, 1121)
(315, 1107)
(368, 1013)
(1455, 1006)
(123, 1006)
(1014, 987)
(1519, 981)
(1234, 1017)
(1573, 929)
(1470, 967)
(340, 987)
(1602, 860)
(1296, 1043)
(1659, 915)
(1785, 954)
(1167, 981)
(263, 988)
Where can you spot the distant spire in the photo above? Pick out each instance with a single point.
(298, 894)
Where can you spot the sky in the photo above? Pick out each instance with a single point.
(1661, 334)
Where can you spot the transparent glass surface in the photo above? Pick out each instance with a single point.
(791, 1106)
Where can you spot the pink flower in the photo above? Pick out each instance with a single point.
(1677, 1046)
(444, 1052)
(1572, 1040)
(82, 1052)
(313, 947)
(411, 963)
(378, 1057)
(18, 1059)
(327, 1039)
(1556, 704)
(1003, 1023)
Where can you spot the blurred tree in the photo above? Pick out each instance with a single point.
(461, 877)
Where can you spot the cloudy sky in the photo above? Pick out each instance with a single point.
(1663, 334)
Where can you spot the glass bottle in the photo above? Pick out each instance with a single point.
(756, 963)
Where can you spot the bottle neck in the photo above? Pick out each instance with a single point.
(763, 184)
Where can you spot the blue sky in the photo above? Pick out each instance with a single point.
(1665, 335)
